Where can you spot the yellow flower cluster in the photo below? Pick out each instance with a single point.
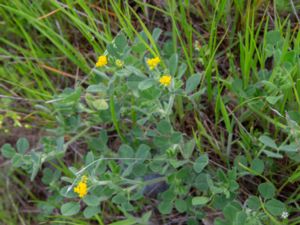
(119, 63)
(81, 189)
(102, 61)
(152, 63)
(165, 80)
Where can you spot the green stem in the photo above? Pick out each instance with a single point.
(282, 186)
(99, 219)
(114, 117)
(133, 112)
(253, 172)
(268, 214)
(75, 138)
(171, 100)
(179, 108)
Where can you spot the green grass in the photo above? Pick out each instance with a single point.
(11, 210)
(46, 46)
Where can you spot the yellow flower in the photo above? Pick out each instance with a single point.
(81, 189)
(152, 63)
(84, 179)
(165, 80)
(102, 61)
(119, 63)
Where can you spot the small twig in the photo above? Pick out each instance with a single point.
(20, 98)
(49, 14)
(31, 58)
(57, 71)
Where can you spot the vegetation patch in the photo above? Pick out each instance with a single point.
(159, 112)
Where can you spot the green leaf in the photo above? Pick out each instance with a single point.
(225, 114)
(201, 182)
(181, 70)
(129, 169)
(289, 148)
(119, 198)
(67, 192)
(22, 145)
(257, 165)
(165, 207)
(180, 205)
(139, 48)
(173, 63)
(240, 218)
(8, 151)
(145, 84)
(273, 37)
(156, 34)
(273, 99)
(188, 148)
(91, 211)
(60, 143)
(230, 211)
(36, 164)
(47, 176)
(240, 159)
(139, 169)
(201, 163)
(91, 200)
(100, 104)
(17, 160)
(200, 200)
(89, 158)
(122, 73)
(268, 141)
(176, 138)
(151, 93)
(275, 207)
(253, 202)
(143, 152)
(220, 201)
(70, 208)
(126, 151)
(193, 221)
(112, 50)
(177, 163)
(273, 154)
(96, 88)
(121, 42)
(295, 176)
(69, 96)
(146, 217)
(136, 71)
(164, 127)
(192, 83)
(129, 221)
(168, 195)
(267, 190)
